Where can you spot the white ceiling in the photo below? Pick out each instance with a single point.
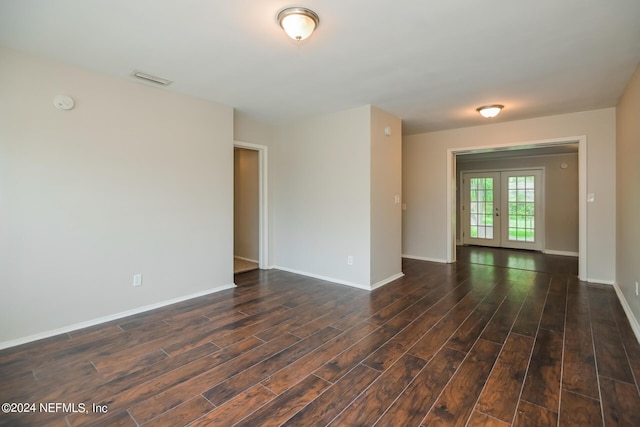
(429, 63)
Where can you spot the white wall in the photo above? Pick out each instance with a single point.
(246, 204)
(386, 183)
(134, 179)
(321, 200)
(425, 180)
(628, 198)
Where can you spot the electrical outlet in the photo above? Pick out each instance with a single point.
(350, 260)
(137, 279)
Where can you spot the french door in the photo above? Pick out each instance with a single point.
(503, 208)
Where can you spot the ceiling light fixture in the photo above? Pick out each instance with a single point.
(298, 22)
(489, 111)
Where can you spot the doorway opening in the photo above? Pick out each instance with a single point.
(453, 222)
(250, 207)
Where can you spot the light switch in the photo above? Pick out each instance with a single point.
(397, 198)
(591, 197)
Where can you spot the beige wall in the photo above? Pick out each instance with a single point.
(561, 195)
(246, 204)
(134, 179)
(386, 183)
(628, 198)
(247, 129)
(332, 181)
(321, 168)
(425, 180)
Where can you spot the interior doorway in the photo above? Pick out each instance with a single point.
(453, 222)
(250, 207)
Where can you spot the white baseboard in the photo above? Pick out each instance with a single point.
(325, 278)
(343, 282)
(246, 259)
(420, 258)
(387, 281)
(600, 281)
(104, 319)
(562, 253)
(635, 326)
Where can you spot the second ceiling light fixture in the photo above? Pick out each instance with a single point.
(298, 22)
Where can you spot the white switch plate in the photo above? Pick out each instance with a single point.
(137, 279)
(397, 198)
(591, 197)
(350, 260)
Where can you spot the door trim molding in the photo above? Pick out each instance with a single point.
(263, 205)
(466, 216)
(541, 204)
(582, 190)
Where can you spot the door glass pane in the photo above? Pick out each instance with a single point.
(521, 204)
(481, 208)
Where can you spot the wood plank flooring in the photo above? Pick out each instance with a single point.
(241, 265)
(501, 338)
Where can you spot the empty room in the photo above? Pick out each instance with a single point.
(345, 213)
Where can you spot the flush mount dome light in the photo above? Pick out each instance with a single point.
(298, 22)
(490, 111)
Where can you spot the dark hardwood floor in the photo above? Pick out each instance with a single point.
(500, 338)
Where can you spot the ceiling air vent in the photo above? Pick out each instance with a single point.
(151, 78)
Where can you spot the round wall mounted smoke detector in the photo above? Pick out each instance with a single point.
(63, 102)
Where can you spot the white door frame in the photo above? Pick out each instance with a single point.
(263, 195)
(540, 204)
(465, 220)
(582, 190)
